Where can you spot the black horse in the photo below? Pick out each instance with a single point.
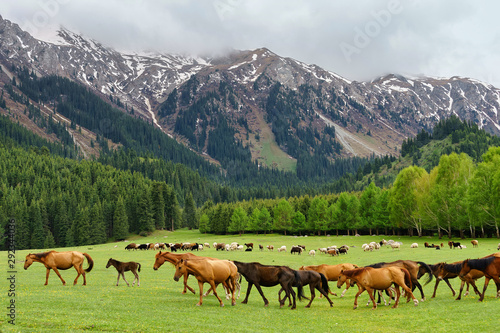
(268, 276)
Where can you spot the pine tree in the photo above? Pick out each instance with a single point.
(37, 232)
(189, 213)
(49, 242)
(120, 225)
(158, 205)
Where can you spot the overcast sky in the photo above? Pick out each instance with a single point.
(358, 39)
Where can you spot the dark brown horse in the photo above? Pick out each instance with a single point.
(490, 266)
(211, 271)
(452, 270)
(436, 271)
(61, 260)
(267, 276)
(315, 280)
(370, 279)
(123, 267)
(412, 267)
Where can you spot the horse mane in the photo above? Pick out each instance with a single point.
(480, 264)
(377, 265)
(42, 255)
(355, 272)
(453, 268)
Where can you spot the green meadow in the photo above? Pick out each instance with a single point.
(159, 306)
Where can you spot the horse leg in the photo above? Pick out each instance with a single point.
(408, 292)
(452, 290)
(461, 289)
(186, 285)
(324, 293)
(123, 276)
(313, 294)
(436, 287)
(266, 302)
(249, 287)
(118, 279)
(57, 272)
(361, 289)
(200, 285)
(419, 286)
(215, 292)
(486, 281)
(136, 277)
(398, 294)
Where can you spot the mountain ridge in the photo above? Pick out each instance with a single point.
(369, 117)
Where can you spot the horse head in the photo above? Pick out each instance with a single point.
(110, 262)
(342, 279)
(159, 260)
(28, 261)
(180, 269)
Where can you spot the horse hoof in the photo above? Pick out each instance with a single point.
(221, 305)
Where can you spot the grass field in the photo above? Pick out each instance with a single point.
(158, 305)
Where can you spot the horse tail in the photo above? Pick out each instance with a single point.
(139, 267)
(407, 277)
(90, 261)
(324, 282)
(428, 269)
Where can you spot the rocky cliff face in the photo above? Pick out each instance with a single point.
(369, 117)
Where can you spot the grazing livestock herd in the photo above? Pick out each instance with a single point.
(384, 276)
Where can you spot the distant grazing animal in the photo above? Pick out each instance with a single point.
(490, 266)
(207, 245)
(61, 260)
(282, 249)
(123, 267)
(312, 253)
(151, 246)
(333, 252)
(315, 280)
(261, 247)
(396, 245)
(249, 245)
(475, 243)
(331, 272)
(131, 246)
(267, 276)
(143, 246)
(369, 279)
(302, 246)
(342, 250)
(220, 246)
(296, 249)
(270, 247)
(456, 244)
(414, 245)
(211, 271)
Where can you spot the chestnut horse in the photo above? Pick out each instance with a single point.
(490, 266)
(331, 272)
(413, 267)
(173, 258)
(61, 260)
(211, 271)
(370, 279)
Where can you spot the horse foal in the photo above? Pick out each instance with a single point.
(123, 267)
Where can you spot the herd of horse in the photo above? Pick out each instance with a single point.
(384, 276)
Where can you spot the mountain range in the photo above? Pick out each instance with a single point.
(277, 108)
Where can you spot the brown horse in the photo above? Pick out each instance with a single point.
(370, 279)
(209, 271)
(331, 272)
(412, 267)
(123, 267)
(61, 260)
(452, 270)
(490, 266)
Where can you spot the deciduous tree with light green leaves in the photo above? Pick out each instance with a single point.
(283, 214)
(238, 220)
